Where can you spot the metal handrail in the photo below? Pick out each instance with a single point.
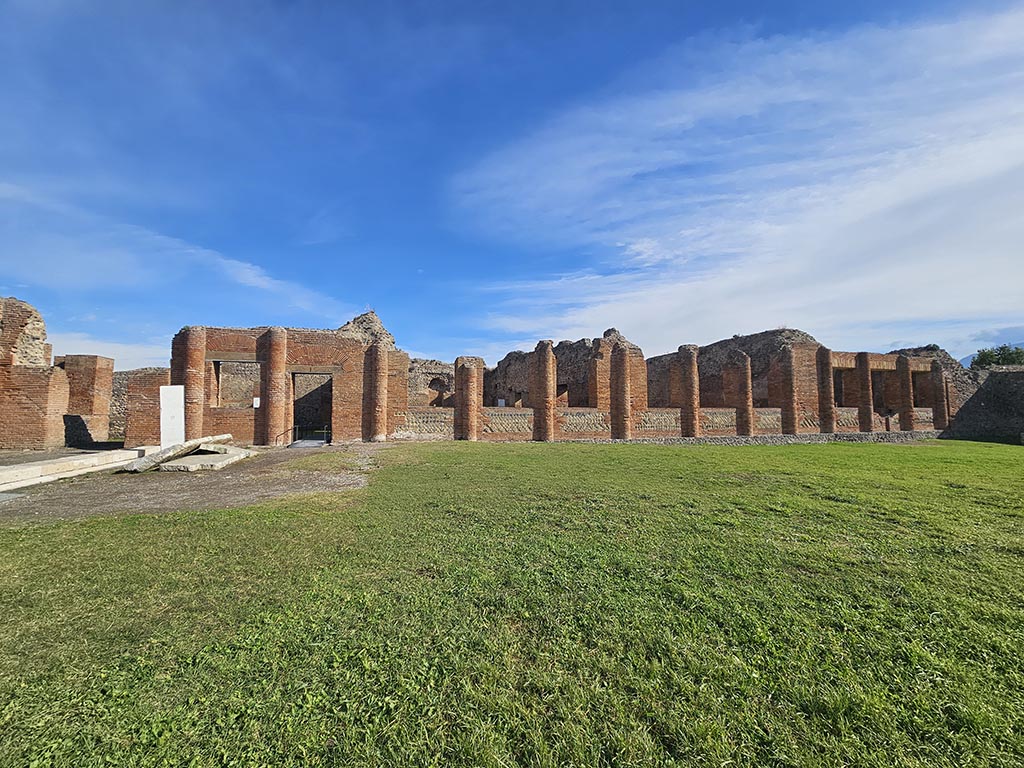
(293, 430)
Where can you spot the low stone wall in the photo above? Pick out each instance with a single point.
(426, 423)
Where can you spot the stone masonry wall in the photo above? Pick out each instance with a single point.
(22, 334)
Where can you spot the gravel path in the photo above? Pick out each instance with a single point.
(265, 476)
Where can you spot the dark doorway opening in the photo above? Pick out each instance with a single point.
(312, 407)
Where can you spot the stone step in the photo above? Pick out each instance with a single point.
(220, 456)
(38, 472)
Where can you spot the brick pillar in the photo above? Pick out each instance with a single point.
(689, 412)
(468, 398)
(865, 400)
(194, 381)
(790, 417)
(543, 391)
(906, 380)
(212, 384)
(740, 363)
(621, 403)
(274, 386)
(377, 394)
(940, 405)
(826, 391)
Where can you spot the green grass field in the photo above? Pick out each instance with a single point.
(539, 605)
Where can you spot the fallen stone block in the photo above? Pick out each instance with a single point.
(218, 457)
(174, 452)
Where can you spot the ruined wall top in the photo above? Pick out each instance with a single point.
(367, 328)
(22, 334)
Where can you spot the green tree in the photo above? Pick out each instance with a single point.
(1001, 355)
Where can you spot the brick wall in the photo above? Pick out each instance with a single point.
(90, 387)
(33, 402)
(142, 422)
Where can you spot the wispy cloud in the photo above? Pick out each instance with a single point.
(864, 186)
(54, 244)
(126, 355)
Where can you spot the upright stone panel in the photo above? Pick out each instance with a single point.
(908, 419)
(469, 397)
(543, 391)
(741, 390)
(940, 403)
(689, 391)
(865, 399)
(272, 350)
(621, 400)
(826, 391)
(376, 390)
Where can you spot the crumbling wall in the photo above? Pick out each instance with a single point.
(763, 349)
(431, 382)
(963, 382)
(582, 374)
(22, 334)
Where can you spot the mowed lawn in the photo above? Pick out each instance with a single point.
(539, 605)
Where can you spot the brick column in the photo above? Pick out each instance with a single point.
(543, 391)
(740, 363)
(790, 417)
(906, 379)
(865, 400)
(826, 391)
(377, 394)
(621, 404)
(274, 386)
(194, 381)
(468, 398)
(689, 412)
(940, 405)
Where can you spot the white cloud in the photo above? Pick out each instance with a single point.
(47, 242)
(865, 187)
(126, 356)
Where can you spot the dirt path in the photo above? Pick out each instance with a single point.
(265, 476)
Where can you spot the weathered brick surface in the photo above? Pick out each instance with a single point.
(737, 390)
(865, 400)
(689, 390)
(826, 390)
(543, 379)
(468, 397)
(906, 394)
(375, 394)
(940, 396)
(90, 386)
(33, 402)
(620, 387)
(142, 426)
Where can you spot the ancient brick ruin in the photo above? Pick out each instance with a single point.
(272, 385)
(44, 403)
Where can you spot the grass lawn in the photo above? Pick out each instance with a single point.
(539, 605)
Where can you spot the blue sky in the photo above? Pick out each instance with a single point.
(484, 175)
